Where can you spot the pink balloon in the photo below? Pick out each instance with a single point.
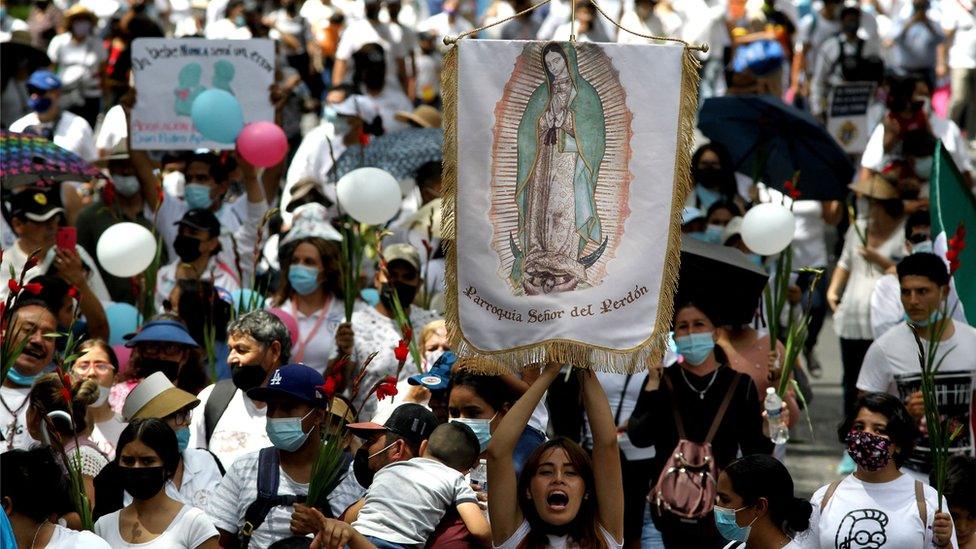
(263, 144)
(289, 322)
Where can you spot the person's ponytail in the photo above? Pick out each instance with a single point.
(797, 515)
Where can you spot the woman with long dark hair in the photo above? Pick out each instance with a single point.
(557, 499)
(713, 173)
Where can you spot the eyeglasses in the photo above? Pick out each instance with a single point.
(99, 367)
(181, 418)
(160, 348)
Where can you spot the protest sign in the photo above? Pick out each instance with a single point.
(954, 394)
(847, 118)
(565, 175)
(170, 73)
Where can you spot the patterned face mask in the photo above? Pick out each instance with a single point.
(868, 450)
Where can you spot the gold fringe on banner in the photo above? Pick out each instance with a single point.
(575, 353)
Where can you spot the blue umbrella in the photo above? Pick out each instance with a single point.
(768, 137)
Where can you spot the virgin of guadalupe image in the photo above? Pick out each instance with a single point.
(561, 143)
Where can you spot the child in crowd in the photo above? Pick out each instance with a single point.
(409, 498)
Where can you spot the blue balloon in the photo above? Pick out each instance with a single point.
(247, 300)
(123, 319)
(217, 115)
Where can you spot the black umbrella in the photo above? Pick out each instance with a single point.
(767, 136)
(401, 153)
(723, 277)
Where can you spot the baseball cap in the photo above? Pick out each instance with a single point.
(169, 331)
(36, 204)
(402, 252)
(439, 376)
(411, 421)
(296, 381)
(156, 396)
(358, 106)
(201, 220)
(309, 221)
(690, 214)
(43, 80)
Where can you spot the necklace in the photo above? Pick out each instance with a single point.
(701, 394)
(15, 426)
(36, 532)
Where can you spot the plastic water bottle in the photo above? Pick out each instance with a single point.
(779, 433)
(479, 475)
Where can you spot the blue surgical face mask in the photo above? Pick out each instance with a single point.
(126, 185)
(923, 247)
(696, 347)
(40, 104)
(756, 259)
(934, 317)
(240, 21)
(18, 378)
(286, 433)
(340, 124)
(481, 428)
(197, 196)
(923, 167)
(698, 235)
(303, 280)
(713, 233)
(183, 438)
(706, 197)
(727, 525)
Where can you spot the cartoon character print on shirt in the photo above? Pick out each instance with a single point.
(188, 88)
(862, 529)
(223, 75)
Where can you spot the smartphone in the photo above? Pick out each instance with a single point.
(67, 238)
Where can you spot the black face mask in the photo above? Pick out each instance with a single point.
(404, 292)
(851, 27)
(709, 177)
(247, 376)
(360, 468)
(373, 12)
(142, 482)
(149, 366)
(187, 247)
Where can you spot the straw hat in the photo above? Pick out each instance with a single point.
(424, 116)
(119, 152)
(76, 11)
(876, 187)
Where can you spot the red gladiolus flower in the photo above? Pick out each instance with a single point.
(401, 351)
(73, 292)
(35, 288)
(13, 286)
(789, 186)
(408, 333)
(108, 193)
(795, 194)
(364, 139)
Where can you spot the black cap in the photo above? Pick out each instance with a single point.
(413, 422)
(36, 204)
(201, 220)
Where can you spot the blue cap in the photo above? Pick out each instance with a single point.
(44, 80)
(296, 381)
(690, 214)
(439, 376)
(169, 331)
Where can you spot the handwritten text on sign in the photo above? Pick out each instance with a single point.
(170, 73)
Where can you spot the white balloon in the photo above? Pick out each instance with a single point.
(369, 195)
(767, 229)
(125, 249)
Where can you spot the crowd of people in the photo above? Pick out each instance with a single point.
(202, 419)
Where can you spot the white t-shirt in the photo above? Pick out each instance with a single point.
(200, 478)
(236, 492)
(78, 62)
(389, 102)
(238, 431)
(320, 346)
(361, 32)
(65, 538)
(555, 542)
(852, 319)
(13, 418)
(105, 435)
(189, 529)
(72, 133)
(225, 29)
(407, 500)
(441, 25)
(874, 157)
(960, 16)
(313, 160)
(871, 514)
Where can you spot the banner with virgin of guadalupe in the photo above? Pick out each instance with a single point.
(566, 167)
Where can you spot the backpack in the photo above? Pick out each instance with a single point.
(687, 484)
(857, 67)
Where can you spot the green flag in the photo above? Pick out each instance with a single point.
(952, 203)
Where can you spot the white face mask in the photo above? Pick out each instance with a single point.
(126, 185)
(81, 28)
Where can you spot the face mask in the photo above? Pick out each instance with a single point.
(18, 378)
(247, 377)
(706, 197)
(303, 280)
(149, 366)
(40, 105)
(286, 433)
(934, 317)
(708, 177)
(405, 293)
(695, 347)
(81, 28)
(103, 393)
(713, 234)
(3, 13)
(126, 185)
(197, 196)
(142, 482)
(851, 28)
(240, 21)
(187, 247)
(183, 438)
(481, 428)
(727, 525)
(698, 235)
(923, 247)
(923, 167)
(867, 450)
(756, 259)
(360, 465)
